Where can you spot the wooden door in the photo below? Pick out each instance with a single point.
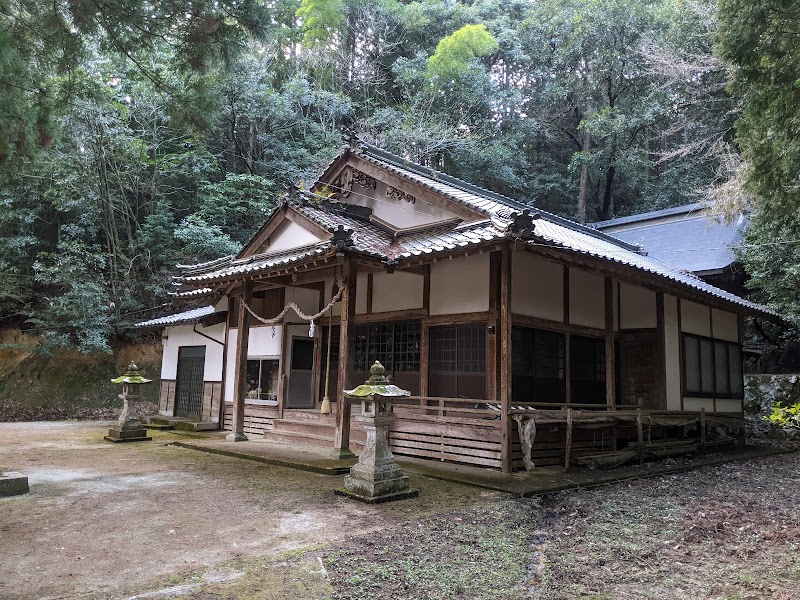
(189, 384)
(300, 393)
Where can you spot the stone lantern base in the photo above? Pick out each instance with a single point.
(13, 484)
(377, 484)
(117, 435)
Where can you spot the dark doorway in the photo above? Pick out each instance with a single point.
(189, 381)
(301, 374)
(637, 357)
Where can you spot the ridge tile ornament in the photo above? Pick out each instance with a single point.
(377, 478)
(129, 427)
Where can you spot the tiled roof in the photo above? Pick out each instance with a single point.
(369, 239)
(189, 316)
(258, 263)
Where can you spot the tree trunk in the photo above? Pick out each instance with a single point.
(584, 182)
(605, 213)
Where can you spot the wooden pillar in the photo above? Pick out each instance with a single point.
(661, 353)
(493, 377)
(609, 339)
(341, 446)
(424, 341)
(505, 360)
(240, 376)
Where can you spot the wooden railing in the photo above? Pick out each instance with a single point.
(452, 410)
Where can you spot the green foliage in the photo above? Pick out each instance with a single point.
(137, 136)
(785, 416)
(320, 19)
(759, 41)
(456, 53)
(204, 241)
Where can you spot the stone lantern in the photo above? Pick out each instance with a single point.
(128, 427)
(377, 478)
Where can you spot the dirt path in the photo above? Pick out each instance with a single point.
(152, 521)
(106, 520)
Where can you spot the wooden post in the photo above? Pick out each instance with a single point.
(505, 360)
(661, 353)
(640, 435)
(568, 441)
(609, 339)
(341, 447)
(240, 381)
(703, 427)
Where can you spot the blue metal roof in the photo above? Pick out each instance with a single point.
(685, 237)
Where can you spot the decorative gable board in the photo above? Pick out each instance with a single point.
(396, 204)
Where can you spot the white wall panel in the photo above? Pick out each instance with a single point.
(725, 324)
(396, 291)
(460, 285)
(537, 287)
(695, 318)
(291, 235)
(586, 299)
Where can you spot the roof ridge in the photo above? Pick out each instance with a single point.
(408, 165)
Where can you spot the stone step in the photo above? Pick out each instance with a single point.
(312, 416)
(196, 426)
(323, 429)
(309, 439)
(160, 426)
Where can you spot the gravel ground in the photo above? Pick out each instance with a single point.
(151, 520)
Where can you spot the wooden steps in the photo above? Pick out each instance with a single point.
(312, 428)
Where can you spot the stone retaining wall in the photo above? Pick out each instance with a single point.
(761, 392)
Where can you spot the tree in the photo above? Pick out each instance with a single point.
(759, 42)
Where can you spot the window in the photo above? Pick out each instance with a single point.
(458, 362)
(538, 365)
(396, 345)
(262, 381)
(587, 369)
(712, 367)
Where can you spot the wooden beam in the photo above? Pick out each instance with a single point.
(341, 448)
(506, 322)
(609, 339)
(240, 381)
(425, 334)
(393, 315)
(565, 293)
(538, 323)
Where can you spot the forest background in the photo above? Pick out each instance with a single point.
(137, 135)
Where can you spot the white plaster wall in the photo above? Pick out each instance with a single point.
(672, 349)
(725, 324)
(637, 307)
(361, 296)
(698, 403)
(537, 287)
(460, 285)
(586, 299)
(400, 214)
(291, 235)
(222, 304)
(396, 291)
(695, 318)
(307, 299)
(260, 344)
(731, 405)
(183, 335)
